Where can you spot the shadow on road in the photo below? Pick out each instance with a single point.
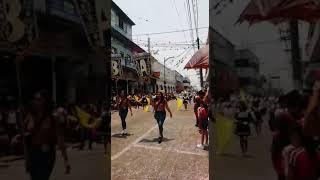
(121, 135)
(155, 140)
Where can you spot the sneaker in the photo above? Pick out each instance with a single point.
(122, 132)
(125, 132)
(206, 145)
(200, 146)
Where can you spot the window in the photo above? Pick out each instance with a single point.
(121, 23)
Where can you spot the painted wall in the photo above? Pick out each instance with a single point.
(115, 24)
(121, 48)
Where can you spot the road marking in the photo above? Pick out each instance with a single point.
(132, 144)
(170, 150)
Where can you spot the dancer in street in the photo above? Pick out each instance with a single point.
(160, 106)
(42, 134)
(185, 101)
(243, 120)
(123, 106)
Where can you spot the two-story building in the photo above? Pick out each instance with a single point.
(247, 67)
(58, 58)
(166, 80)
(122, 44)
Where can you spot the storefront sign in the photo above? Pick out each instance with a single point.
(116, 67)
(95, 19)
(17, 22)
(144, 65)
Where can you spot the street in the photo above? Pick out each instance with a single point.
(232, 165)
(84, 165)
(139, 156)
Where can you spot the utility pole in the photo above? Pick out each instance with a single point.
(201, 74)
(164, 71)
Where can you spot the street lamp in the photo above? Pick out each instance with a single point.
(164, 71)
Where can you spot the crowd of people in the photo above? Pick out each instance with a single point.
(158, 103)
(292, 120)
(37, 128)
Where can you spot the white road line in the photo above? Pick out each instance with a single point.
(148, 147)
(170, 150)
(132, 144)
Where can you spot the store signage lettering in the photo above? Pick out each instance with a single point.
(17, 21)
(93, 14)
(116, 67)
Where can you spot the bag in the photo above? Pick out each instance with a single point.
(312, 123)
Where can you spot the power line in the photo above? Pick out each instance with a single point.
(174, 3)
(168, 32)
(189, 16)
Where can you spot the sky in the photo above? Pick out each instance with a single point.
(152, 16)
(261, 38)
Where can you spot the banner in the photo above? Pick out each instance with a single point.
(116, 66)
(17, 23)
(95, 18)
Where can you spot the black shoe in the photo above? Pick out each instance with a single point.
(196, 125)
(160, 140)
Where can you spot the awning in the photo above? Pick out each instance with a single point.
(200, 59)
(277, 11)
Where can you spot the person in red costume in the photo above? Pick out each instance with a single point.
(284, 123)
(300, 159)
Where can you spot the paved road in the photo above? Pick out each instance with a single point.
(233, 166)
(139, 156)
(85, 165)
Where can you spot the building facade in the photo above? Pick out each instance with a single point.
(57, 57)
(247, 67)
(223, 60)
(122, 44)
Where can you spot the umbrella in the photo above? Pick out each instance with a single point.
(200, 59)
(278, 11)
